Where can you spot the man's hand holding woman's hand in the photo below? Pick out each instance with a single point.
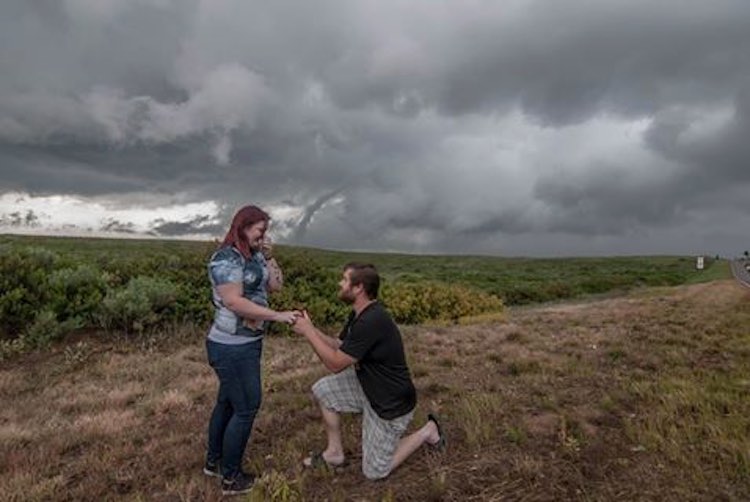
(304, 323)
(288, 316)
(299, 320)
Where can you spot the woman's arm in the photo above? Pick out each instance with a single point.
(231, 297)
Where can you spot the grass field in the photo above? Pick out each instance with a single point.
(642, 396)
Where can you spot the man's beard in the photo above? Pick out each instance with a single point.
(346, 297)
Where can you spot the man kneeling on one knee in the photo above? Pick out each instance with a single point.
(370, 376)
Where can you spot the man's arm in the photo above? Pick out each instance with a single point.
(325, 347)
(332, 342)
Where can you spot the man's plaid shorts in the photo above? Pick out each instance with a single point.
(342, 393)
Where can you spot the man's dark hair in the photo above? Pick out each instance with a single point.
(366, 275)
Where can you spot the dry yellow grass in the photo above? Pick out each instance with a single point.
(632, 398)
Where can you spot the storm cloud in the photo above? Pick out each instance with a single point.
(520, 127)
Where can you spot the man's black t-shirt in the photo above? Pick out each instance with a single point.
(373, 339)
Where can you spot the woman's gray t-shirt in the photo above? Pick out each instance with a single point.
(227, 265)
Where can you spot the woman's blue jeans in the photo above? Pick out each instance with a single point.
(238, 369)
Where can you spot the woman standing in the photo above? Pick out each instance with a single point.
(242, 273)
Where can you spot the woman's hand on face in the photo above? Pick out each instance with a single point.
(267, 248)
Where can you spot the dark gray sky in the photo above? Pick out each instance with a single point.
(522, 127)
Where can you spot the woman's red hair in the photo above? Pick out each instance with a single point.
(245, 217)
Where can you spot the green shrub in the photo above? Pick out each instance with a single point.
(412, 303)
(10, 348)
(76, 293)
(145, 302)
(23, 281)
(43, 330)
(193, 303)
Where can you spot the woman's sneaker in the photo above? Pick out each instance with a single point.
(212, 469)
(240, 483)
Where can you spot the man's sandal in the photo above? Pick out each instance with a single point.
(442, 442)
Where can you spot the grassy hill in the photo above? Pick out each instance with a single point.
(637, 397)
(632, 384)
